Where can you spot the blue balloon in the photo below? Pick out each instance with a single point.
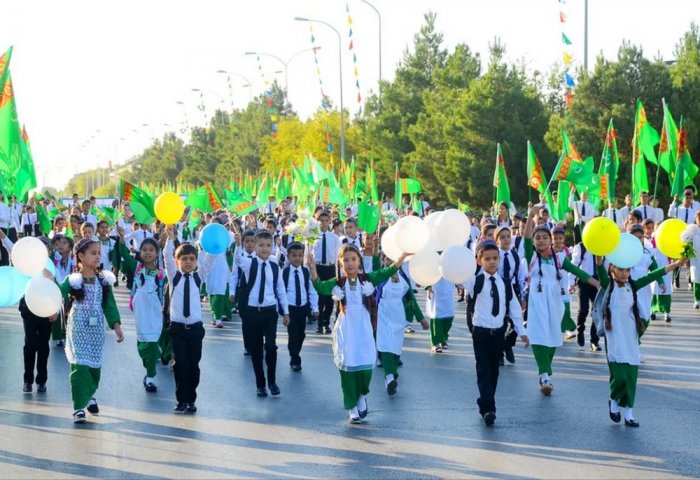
(628, 252)
(12, 285)
(214, 239)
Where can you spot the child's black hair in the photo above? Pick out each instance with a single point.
(262, 235)
(150, 241)
(102, 222)
(247, 233)
(294, 246)
(184, 249)
(81, 247)
(635, 308)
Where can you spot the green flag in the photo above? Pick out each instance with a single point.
(562, 206)
(205, 198)
(26, 175)
(368, 217)
(609, 162)
(668, 141)
(42, 215)
(500, 178)
(643, 143)
(5, 67)
(371, 181)
(536, 177)
(141, 202)
(10, 138)
(685, 168)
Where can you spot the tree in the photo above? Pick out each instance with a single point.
(685, 76)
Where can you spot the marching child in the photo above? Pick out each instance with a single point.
(217, 282)
(397, 306)
(302, 299)
(146, 303)
(623, 325)
(247, 240)
(547, 288)
(92, 304)
(262, 293)
(65, 264)
(559, 246)
(644, 266)
(186, 329)
(695, 271)
(583, 259)
(440, 308)
(510, 271)
(109, 246)
(354, 350)
(488, 316)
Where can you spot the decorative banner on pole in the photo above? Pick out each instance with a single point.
(567, 57)
(271, 110)
(324, 98)
(351, 47)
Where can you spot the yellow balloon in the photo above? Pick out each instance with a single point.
(601, 236)
(169, 208)
(668, 237)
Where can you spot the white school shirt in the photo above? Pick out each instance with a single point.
(386, 206)
(646, 211)
(16, 214)
(658, 215)
(128, 227)
(106, 248)
(587, 263)
(137, 237)
(357, 241)
(292, 290)
(583, 211)
(270, 208)
(440, 304)
(332, 246)
(616, 216)
(687, 214)
(89, 218)
(27, 219)
(520, 280)
(484, 303)
(272, 293)
(5, 216)
(177, 292)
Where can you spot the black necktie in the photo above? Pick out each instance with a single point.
(494, 297)
(261, 295)
(297, 286)
(645, 213)
(506, 268)
(186, 297)
(686, 215)
(614, 216)
(583, 209)
(144, 234)
(323, 248)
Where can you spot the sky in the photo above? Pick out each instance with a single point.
(95, 81)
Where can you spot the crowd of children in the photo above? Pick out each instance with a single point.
(522, 288)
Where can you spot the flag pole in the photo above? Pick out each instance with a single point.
(527, 175)
(658, 162)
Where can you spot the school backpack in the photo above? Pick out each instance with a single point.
(471, 301)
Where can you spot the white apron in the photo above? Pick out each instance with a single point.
(353, 341)
(218, 277)
(441, 303)
(545, 309)
(622, 341)
(391, 317)
(643, 294)
(85, 342)
(148, 310)
(662, 261)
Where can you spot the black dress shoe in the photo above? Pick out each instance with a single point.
(489, 418)
(92, 407)
(653, 316)
(326, 330)
(615, 417)
(180, 407)
(262, 392)
(27, 388)
(510, 356)
(631, 423)
(274, 389)
(246, 353)
(319, 330)
(580, 339)
(191, 408)
(296, 368)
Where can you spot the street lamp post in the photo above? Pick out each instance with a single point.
(223, 102)
(379, 17)
(248, 83)
(340, 63)
(286, 64)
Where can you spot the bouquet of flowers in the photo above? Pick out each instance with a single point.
(304, 230)
(390, 217)
(688, 236)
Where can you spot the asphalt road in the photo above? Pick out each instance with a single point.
(430, 429)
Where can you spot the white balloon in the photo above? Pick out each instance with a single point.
(424, 268)
(452, 228)
(457, 264)
(389, 246)
(433, 241)
(29, 255)
(43, 297)
(412, 234)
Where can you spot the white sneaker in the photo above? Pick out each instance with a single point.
(362, 406)
(354, 416)
(570, 334)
